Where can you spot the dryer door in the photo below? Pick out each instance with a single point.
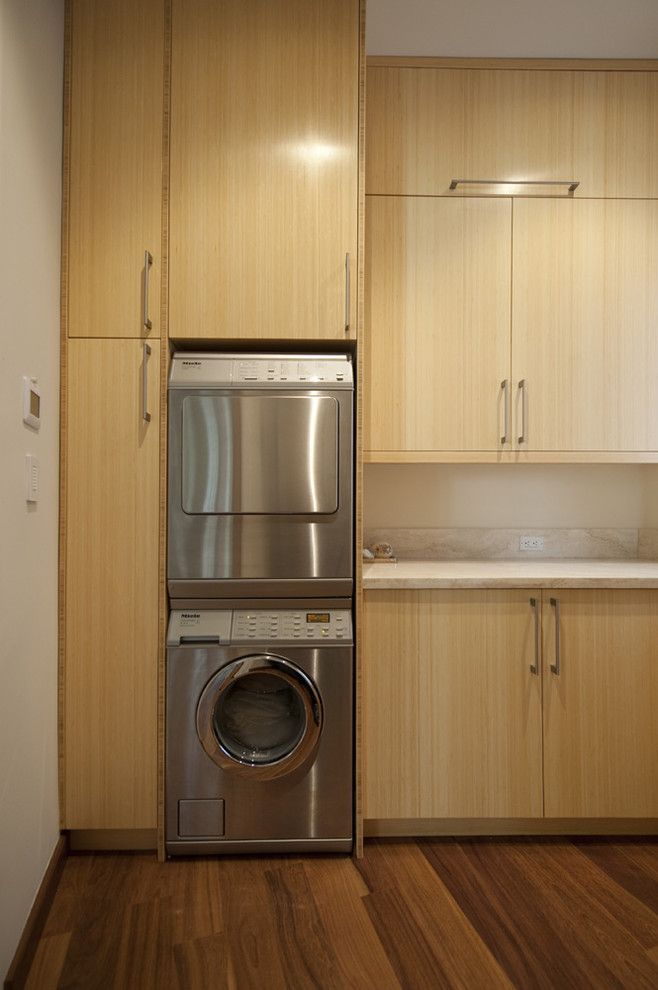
(259, 715)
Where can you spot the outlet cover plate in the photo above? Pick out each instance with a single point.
(535, 543)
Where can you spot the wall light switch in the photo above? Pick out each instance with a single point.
(31, 402)
(32, 478)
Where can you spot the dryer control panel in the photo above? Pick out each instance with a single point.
(205, 627)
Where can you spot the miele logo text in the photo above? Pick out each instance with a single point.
(192, 364)
(190, 615)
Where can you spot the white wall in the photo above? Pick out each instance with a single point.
(538, 495)
(513, 28)
(31, 60)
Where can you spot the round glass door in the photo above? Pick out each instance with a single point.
(260, 714)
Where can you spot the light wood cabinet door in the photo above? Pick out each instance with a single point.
(115, 161)
(429, 125)
(111, 596)
(438, 316)
(452, 716)
(264, 168)
(584, 313)
(600, 723)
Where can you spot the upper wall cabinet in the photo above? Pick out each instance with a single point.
(438, 315)
(584, 315)
(431, 125)
(115, 188)
(264, 168)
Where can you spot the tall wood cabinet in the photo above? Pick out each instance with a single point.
(561, 301)
(115, 167)
(110, 481)
(254, 109)
(264, 169)
(112, 551)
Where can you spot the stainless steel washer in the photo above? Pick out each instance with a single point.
(259, 731)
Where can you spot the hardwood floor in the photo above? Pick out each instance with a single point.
(472, 914)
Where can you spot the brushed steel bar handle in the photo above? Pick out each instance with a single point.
(522, 388)
(347, 293)
(505, 390)
(148, 261)
(534, 668)
(555, 667)
(571, 183)
(146, 416)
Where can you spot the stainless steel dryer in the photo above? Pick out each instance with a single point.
(260, 476)
(259, 731)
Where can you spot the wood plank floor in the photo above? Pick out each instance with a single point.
(472, 914)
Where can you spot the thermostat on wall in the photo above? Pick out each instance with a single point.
(31, 402)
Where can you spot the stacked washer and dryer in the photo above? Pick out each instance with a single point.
(260, 653)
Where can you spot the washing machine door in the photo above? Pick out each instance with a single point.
(260, 715)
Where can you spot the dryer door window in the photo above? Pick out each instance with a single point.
(260, 715)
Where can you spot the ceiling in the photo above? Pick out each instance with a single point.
(513, 28)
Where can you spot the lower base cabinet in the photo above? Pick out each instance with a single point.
(452, 712)
(600, 671)
(510, 704)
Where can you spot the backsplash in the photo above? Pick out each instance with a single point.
(467, 543)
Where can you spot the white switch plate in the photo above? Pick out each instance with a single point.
(31, 478)
(531, 543)
(31, 402)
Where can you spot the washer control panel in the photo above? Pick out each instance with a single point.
(208, 627)
(314, 624)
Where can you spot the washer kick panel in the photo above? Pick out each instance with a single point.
(256, 625)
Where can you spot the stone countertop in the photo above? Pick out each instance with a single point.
(562, 573)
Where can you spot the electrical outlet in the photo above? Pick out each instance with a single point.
(531, 543)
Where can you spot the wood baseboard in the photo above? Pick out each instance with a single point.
(108, 839)
(412, 827)
(27, 946)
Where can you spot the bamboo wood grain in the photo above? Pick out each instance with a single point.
(264, 168)
(112, 552)
(452, 712)
(63, 420)
(361, 400)
(163, 601)
(585, 300)
(431, 125)
(600, 725)
(115, 165)
(438, 323)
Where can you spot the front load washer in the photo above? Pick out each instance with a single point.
(259, 747)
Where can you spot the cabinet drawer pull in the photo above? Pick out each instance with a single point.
(522, 397)
(146, 416)
(505, 390)
(148, 261)
(555, 667)
(534, 668)
(347, 292)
